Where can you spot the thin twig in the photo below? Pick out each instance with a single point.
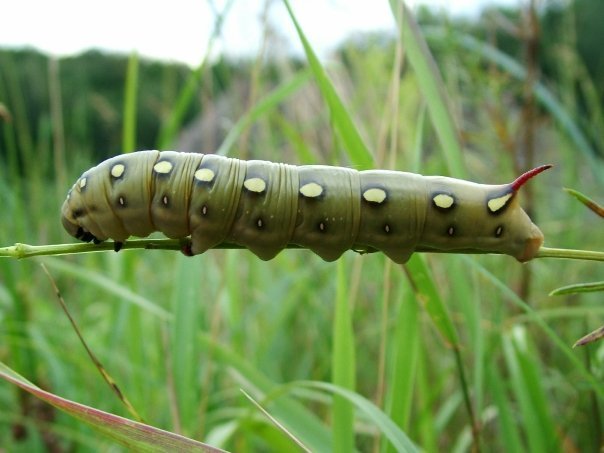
(20, 251)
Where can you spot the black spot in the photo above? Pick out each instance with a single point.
(96, 241)
(499, 231)
(79, 233)
(86, 236)
(117, 246)
(78, 213)
(451, 231)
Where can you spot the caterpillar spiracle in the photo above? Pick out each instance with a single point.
(265, 206)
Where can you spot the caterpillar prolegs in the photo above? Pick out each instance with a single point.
(265, 206)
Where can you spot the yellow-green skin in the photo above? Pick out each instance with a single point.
(265, 206)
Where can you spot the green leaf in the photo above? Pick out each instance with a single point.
(341, 120)
(133, 435)
(429, 297)
(400, 441)
(130, 91)
(261, 108)
(343, 365)
(591, 204)
(431, 86)
(578, 288)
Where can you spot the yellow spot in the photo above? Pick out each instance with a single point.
(374, 195)
(311, 190)
(495, 204)
(82, 183)
(255, 185)
(164, 167)
(204, 175)
(117, 170)
(443, 200)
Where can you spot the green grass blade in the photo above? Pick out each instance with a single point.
(133, 435)
(508, 427)
(343, 365)
(393, 433)
(186, 306)
(355, 147)
(262, 107)
(108, 286)
(427, 293)
(591, 204)
(578, 288)
(542, 93)
(130, 100)
(170, 128)
(405, 350)
(578, 366)
(525, 380)
(302, 423)
(432, 88)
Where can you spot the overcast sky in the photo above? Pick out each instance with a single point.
(179, 30)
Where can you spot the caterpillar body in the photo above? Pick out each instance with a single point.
(265, 206)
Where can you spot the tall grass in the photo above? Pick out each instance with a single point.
(360, 354)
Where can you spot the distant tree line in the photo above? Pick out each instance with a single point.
(92, 84)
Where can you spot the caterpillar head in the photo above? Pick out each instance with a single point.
(73, 208)
(478, 218)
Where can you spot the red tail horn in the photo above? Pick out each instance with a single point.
(520, 180)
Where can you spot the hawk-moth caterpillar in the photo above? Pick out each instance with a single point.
(265, 206)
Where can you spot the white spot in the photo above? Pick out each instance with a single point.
(387, 228)
(259, 223)
(495, 204)
(82, 183)
(451, 231)
(204, 209)
(204, 175)
(255, 185)
(122, 201)
(498, 231)
(163, 166)
(374, 195)
(322, 226)
(117, 170)
(165, 200)
(443, 201)
(311, 190)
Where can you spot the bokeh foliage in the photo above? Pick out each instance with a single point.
(181, 336)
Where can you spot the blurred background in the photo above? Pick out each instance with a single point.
(523, 82)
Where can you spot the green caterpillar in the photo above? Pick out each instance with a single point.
(265, 206)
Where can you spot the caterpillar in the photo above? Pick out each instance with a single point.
(264, 206)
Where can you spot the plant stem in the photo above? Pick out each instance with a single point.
(19, 250)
